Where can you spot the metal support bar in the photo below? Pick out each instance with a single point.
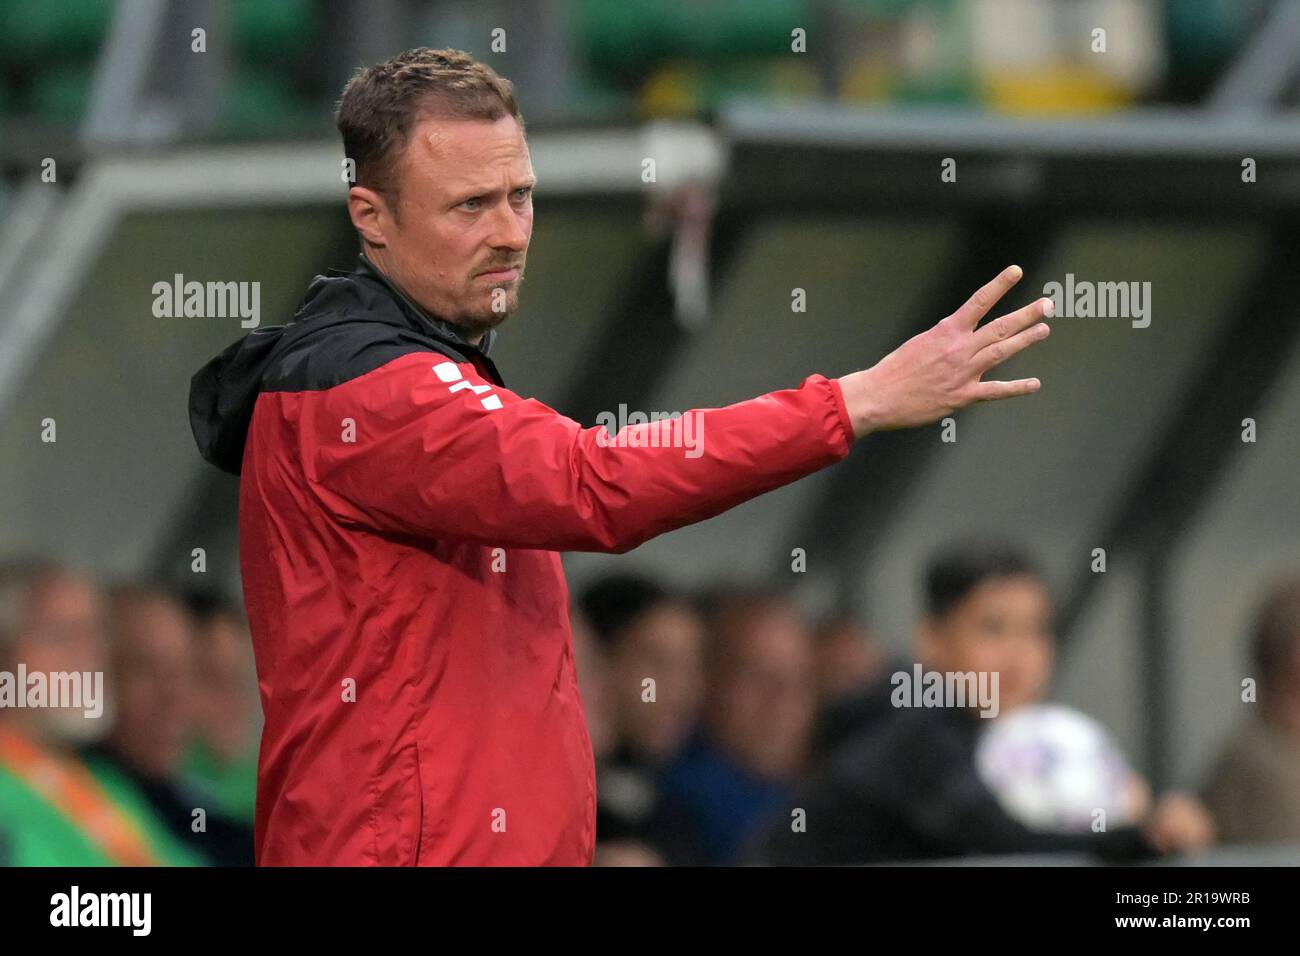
(1260, 76)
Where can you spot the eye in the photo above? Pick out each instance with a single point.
(523, 193)
(471, 205)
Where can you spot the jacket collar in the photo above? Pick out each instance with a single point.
(440, 327)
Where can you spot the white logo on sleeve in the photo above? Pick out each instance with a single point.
(448, 372)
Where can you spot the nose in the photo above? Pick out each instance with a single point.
(511, 229)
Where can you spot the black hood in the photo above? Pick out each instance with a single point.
(348, 324)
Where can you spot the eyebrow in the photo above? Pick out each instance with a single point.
(471, 193)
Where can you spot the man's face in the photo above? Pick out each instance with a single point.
(63, 628)
(667, 644)
(225, 701)
(153, 678)
(459, 240)
(1003, 625)
(1283, 698)
(63, 631)
(764, 693)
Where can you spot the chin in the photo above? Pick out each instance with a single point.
(478, 323)
(488, 318)
(492, 319)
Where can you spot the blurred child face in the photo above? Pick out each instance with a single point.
(1002, 625)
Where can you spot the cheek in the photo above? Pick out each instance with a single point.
(629, 683)
(133, 697)
(989, 655)
(431, 244)
(755, 705)
(1042, 666)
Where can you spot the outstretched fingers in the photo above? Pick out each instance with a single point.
(1006, 326)
(978, 305)
(994, 391)
(999, 351)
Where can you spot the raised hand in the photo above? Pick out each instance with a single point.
(941, 370)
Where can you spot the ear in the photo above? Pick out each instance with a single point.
(371, 215)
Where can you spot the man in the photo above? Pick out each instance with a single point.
(906, 786)
(401, 511)
(740, 765)
(849, 658)
(1253, 789)
(646, 633)
(221, 759)
(53, 811)
(153, 664)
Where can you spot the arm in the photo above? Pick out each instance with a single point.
(441, 453)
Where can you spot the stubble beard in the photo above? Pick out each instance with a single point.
(480, 320)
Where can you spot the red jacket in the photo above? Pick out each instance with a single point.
(401, 515)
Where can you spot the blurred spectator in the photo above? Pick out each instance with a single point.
(908, 787)
(593, 685)
(222, 755)
(854, 713)
(52, 811)
(653, 644)
(152, 668)
(849, 658)
(739, 766)
(847, 707)
(1254, 788)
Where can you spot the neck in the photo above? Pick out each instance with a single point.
(377, 258)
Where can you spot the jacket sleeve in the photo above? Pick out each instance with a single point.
(439, 452)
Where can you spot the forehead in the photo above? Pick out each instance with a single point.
(62, 595)
(1017, 589)
(453, 154)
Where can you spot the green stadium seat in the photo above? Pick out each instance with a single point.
(38, 31)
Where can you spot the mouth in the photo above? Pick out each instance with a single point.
(499, 275)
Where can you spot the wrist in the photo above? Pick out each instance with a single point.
(860, 404)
